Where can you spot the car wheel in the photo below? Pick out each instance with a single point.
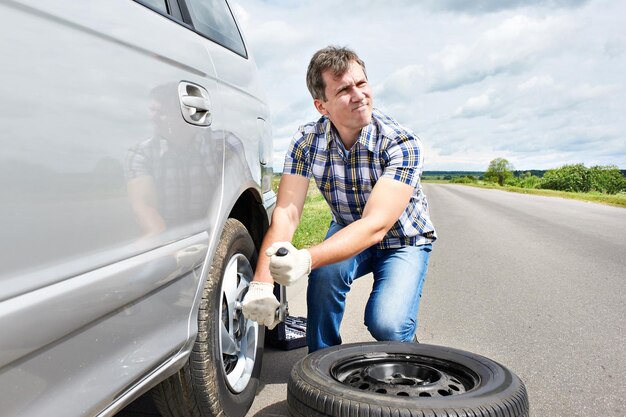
(393, 379)
(222, 374)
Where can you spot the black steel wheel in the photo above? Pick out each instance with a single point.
(222, 374)
(392, 379)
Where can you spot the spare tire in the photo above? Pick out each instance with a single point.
(393, 379)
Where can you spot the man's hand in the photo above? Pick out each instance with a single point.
(287, 268)
(260, 304)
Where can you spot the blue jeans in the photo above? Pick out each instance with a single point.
(391, 311)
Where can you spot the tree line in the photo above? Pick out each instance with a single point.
(606, 179)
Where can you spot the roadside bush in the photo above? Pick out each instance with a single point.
(528, 180)
(463, 180)
(606, 179)
(567, 178)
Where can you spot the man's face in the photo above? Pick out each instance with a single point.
(348, 102)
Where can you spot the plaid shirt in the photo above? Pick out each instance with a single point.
(346, 178)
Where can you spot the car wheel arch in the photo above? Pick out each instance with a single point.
(249, 210)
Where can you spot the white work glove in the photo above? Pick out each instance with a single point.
(290, 267)
(260, 304)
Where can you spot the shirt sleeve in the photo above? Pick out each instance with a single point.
(297, 157)
(404, 160)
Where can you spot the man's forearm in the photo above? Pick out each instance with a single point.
(262, 272)
(348, 242)
(388, 200)
(285, 219)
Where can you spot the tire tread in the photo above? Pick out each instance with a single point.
(193, 391)
(307, 396)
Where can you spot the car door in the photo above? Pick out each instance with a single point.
(112, 179)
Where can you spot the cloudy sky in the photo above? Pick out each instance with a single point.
(539, 82)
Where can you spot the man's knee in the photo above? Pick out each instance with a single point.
(391, 330)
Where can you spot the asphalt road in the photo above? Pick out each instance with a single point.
(538, 284)
(535, 283)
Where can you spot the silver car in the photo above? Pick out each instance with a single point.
(135, 188)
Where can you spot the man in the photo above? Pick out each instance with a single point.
(368, 169)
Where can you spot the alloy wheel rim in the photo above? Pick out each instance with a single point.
(238, 337)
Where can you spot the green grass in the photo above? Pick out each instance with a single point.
(315, 218)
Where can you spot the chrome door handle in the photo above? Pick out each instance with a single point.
(195, 103)
(199, 103)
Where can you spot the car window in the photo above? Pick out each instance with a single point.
(214, 19)
(160, 5)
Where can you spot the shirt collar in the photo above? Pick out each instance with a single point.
(368, 135)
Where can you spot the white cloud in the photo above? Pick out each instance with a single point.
(509, 48)
(404, 83)
(537, 81)
(475, 106)
(488, 6)
(615, 47)
(589, 91)
(277, 33)
(529, 80)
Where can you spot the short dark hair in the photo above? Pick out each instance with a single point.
(332, 58)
